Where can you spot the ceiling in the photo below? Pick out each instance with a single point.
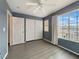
(44, 8)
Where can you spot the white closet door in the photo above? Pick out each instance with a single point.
(38, 29)
(18, 30)
(29, 29)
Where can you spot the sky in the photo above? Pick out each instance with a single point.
(73, 16)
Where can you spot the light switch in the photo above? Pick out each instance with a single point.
(4, 29)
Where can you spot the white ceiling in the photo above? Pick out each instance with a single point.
(48, 6)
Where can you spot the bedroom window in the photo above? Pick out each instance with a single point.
(68, 26)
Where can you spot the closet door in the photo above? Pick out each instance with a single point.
(38, 29)
(30, 29)
(18, 30)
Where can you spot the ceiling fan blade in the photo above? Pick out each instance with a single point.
(49, 4)
(32, 4)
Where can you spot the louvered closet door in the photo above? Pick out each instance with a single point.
(38, 29)
(18, 30)
(30, 29)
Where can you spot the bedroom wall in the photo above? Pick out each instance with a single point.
(48, 35)
(3, 28)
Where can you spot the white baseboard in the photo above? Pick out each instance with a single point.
(47, 40)
(50, 41)
(5, 56)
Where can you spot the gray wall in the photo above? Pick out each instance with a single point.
(26, 16)
(69, 45)
(3, 24)
(48, 35)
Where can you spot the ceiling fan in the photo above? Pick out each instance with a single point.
(39, 3)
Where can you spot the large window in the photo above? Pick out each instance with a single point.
(68, 26)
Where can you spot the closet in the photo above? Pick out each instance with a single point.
(34, 29)
(18, 30)
(30, 29)
(25, 30)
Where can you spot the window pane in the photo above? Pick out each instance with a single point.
(73, 29)
(46, 25)
(59, 29)
(78, 24)
(65, 32)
